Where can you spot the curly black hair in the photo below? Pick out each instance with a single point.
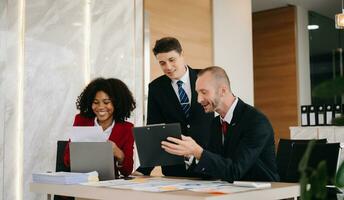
(121, 98)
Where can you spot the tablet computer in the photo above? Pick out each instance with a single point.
(148, 142)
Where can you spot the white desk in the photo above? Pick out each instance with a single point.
(277, 191)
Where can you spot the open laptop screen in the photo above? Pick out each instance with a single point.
(93, 156)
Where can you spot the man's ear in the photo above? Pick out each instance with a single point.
(220, 90)
(223, 90)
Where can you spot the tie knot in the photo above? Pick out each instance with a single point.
(180, 83)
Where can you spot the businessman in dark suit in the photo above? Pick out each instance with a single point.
(172, 99)
(241, 145)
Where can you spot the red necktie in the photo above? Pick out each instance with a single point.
(224, 127)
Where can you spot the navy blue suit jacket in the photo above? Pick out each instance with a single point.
(164, 107)
(248, 152)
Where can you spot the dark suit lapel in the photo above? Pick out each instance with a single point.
(234, 132)
(193, 77)
(172, 96)
(217, 137)
(172, 99)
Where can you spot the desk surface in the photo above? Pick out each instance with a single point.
(277, 191)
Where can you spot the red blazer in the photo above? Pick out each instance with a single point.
(121, 134)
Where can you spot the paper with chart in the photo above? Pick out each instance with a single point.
(158, 184)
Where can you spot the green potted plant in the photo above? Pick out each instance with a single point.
(339, 179)
(312, 181)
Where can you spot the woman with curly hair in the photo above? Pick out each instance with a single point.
(107, 103)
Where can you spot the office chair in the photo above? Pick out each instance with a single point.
(328, 152)
(284, 152)
(61, 145)
(60, 167)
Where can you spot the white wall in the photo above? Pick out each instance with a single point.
(303, 62)
(232, 33)
(44, 68)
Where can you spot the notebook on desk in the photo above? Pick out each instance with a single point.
(148, 141)
(93, 156)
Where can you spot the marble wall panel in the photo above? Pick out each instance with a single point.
(2, 130)
(139, 73)
(54, 52)
(54, 67)
(115, 45)
(112, 40)
(2, 91)
(10, 44)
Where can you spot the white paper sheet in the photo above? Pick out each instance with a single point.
(87, 134)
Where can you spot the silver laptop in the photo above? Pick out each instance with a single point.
(93, 156)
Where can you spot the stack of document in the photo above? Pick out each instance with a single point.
(65, 177)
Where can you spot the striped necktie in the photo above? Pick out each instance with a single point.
(184, 100)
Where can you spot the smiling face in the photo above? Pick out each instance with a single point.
(103, 108)
(172, 64)
(208, 93)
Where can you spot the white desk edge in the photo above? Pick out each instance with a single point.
(277, 191)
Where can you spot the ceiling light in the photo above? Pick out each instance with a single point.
(313, 27)
(340, 19)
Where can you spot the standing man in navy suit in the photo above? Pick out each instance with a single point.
(172, 99)
(241, 145)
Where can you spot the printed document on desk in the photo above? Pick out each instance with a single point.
(158, 184)
(86, 134)
(149, 184)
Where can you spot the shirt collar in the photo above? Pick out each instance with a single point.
(108, 130)
(229, 115)
(185, 78)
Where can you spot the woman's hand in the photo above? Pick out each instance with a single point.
(117, 152)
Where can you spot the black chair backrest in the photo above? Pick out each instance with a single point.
(328, 152)
(61, 145)
(284, 151)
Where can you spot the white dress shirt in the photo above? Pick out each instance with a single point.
(186, 84)
(229, 115)
(107, 131)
